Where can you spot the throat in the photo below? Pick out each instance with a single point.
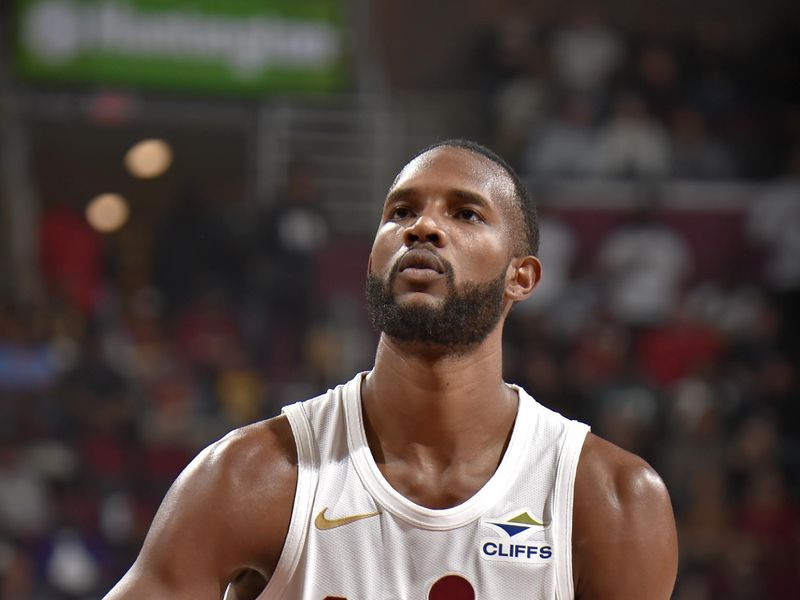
(435, 473)
(437, 488)
(436, 445)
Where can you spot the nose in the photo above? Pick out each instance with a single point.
(425, 229)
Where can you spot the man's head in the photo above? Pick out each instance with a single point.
(454, 250)
(528, 235)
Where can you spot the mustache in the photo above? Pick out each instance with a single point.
(446, 265)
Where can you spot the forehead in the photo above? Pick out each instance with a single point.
(448, 168)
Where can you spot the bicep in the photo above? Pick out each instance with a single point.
(178, 559)
(211, 526)
(143, 581)
(624, 537)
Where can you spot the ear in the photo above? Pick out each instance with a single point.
(525, 274)
(369, 264)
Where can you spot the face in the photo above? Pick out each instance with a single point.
(441, 262)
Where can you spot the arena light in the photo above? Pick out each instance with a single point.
(107, 212)
(149, 158)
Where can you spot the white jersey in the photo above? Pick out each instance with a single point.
(353, 537)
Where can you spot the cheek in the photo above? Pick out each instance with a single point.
(385, 249)
(488, 251)
(486, 256)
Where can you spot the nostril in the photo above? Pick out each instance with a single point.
(424, 229)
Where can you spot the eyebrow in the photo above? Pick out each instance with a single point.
(401, 194)
(464, 195)
(471, 197)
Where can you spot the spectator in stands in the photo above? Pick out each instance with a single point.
(626, 412)
(71, 256)
(558, 250)
(506, 52)
(585, 51)
(281, 267)
(768, 521)
(645, 264)
(695, 153)
(656, 76)
(773, 222)
(729, 302)
(24, 499)
(17, 573)
(207, 329)
(632, 143)
(193, 249)
(519, 94)
(680, 347)
(704, 513)
(599, 354)
(712, 71)
(28, 360)
(71, 569)
(580, 302)
(564, 146)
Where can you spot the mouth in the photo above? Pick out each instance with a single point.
(420, 260)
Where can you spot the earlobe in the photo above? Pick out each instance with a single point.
(526, 274)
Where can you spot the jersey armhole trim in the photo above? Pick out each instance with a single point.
(563, 496)
(307, 477)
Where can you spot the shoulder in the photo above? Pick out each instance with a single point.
(624, 537)
(604, 466)
(247, 454)
(228, 510)
(234, 478)
(255, 459)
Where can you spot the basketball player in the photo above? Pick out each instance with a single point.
(429, 477)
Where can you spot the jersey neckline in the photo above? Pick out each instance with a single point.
(421, 516)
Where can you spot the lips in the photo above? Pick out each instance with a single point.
(420, 259)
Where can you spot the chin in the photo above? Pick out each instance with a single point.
(415, 298)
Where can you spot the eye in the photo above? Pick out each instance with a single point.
(467, 214)
(400, 212)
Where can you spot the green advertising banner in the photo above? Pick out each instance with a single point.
(239, 46)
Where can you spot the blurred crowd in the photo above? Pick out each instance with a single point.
(107, 394)
(109, 388)
(699, 375)
(582, 97)
(104, 398)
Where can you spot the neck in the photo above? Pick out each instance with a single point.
(425, 405)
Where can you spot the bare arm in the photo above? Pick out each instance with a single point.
(227, 512)
(625, 544)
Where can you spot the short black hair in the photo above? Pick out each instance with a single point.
(522, 196)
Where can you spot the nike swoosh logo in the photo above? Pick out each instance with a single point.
(322, 522)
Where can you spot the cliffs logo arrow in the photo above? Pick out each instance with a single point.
(516, 524)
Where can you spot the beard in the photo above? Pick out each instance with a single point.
(464, 319)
